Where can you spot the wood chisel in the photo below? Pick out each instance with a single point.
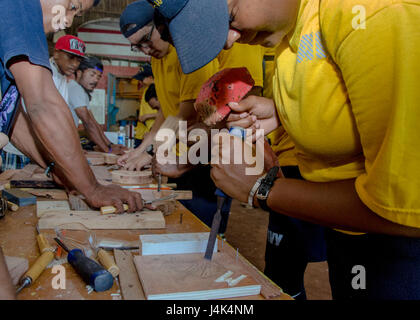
(112, 209)
(212, 106)
(221, 198)
(47, 255)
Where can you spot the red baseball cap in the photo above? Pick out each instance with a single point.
(72, 45)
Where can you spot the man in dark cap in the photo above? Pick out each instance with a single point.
(87, 77)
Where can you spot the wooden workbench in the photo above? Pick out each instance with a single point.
(17, 238)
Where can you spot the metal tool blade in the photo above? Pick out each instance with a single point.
(214, 228)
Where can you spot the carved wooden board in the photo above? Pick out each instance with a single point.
(190, 276)
(132, 177)
(94, 220)
(95, 158)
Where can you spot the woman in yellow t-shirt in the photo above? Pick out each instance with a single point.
(346, 91)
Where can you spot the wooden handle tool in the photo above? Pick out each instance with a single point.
(108, 262)
(47, 255)
(111, 209)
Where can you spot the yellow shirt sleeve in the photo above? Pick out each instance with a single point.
(190, 84)
(380, 66)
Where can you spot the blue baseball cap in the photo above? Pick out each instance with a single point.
(199, 29)
(135, 16)
(96, 2)
(144, 72)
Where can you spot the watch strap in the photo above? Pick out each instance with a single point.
(254, 190)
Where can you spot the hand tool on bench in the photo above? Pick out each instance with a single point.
(91, 272)
(36, 184)
(86, 239)
(112, 209)
(212, 105)
(47, 255)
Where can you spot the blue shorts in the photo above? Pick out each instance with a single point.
(373, 267)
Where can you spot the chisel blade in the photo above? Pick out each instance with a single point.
(214, 229)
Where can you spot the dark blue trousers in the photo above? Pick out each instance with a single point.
(291, 244)
(373, 267)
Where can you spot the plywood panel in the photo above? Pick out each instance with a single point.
(94, 220)
(190, 276)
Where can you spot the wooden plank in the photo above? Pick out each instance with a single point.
(129, 280)
(132, 177)
(111, 158)
(180, 194)
(17, 267)
(43, 207)
(95, 158)
(78, 203)
(94, 220)
(190, 276)
(174, 243)
(55, 194)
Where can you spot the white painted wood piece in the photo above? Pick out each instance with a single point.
(174, 243)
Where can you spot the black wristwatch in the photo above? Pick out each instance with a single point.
(150, 151)
(265, 187)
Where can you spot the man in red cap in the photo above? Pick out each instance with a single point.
(68, 53)
(45, 132)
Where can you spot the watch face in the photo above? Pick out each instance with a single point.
(149, 149)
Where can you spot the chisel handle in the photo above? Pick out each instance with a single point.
(40, 264)
(112, 209)
(108, 262)
(91, 272)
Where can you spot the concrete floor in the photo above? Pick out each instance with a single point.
(247, 231)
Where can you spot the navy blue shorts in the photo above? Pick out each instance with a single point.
(291, 244)
(373, 267)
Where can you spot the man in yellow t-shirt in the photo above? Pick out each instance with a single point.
(346, 92)
(176, 92)
(147, 114)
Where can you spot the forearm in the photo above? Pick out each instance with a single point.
(23, 139)
(52, 124)
(331, 204)
(7, 291)
(94, 135)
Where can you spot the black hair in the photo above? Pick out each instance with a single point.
(150, 93)
(90, 62)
